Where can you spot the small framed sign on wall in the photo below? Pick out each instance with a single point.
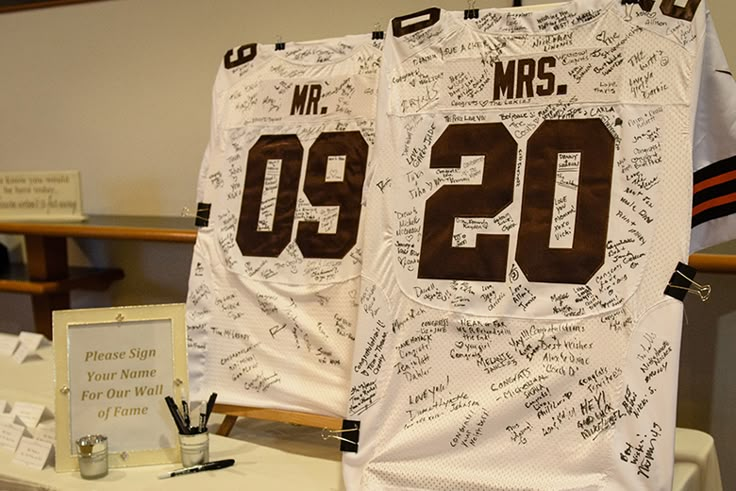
(13, 5)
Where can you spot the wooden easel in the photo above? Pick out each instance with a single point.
(232, 413)
(713, 263)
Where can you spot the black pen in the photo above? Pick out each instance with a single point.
(210, 405)
(185, 412)
(202, 422)
(209, 466)
(183, 430)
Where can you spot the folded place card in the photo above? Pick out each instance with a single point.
(22, 352)
(8, 343)
(29, 413)
(4, 407)
(10, 435)
(33, 453)
(46, 432)
(32, 340)
(8, 418)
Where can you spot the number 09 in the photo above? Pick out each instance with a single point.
(346, 194)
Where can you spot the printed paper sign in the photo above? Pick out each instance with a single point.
(33, 453)
(40, 195)
(119, 382)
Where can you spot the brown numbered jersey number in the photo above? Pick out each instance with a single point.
(487, 261)
(669, 8)
(350, 148)
(438, 259)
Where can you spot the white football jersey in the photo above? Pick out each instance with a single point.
(529, 206)
(272, 297)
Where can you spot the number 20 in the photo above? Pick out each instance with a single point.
(487, 261)
(346, 194)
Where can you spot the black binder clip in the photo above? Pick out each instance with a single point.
(646, 5)
(377, 33)
(346, 444)
(471, 12)
(4, 259)
(280, 45)
(682, 282)
(202, 217)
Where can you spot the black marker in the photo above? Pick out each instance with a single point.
(210, 405)
(183, 430)
(185, 411)
(202, 422)
(209, 466)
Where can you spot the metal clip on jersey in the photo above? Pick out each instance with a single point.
(377, 33)
(471, 12)
(201, 217)
(683, 282)
(348, 426)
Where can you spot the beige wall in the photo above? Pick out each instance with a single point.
(120, 89)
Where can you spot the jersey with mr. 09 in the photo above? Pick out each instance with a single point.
(272, 295)
(530, 202)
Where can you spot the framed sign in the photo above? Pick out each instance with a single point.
(41, 195)
(12, 5)
(114, 367)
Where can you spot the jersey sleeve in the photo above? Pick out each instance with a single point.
(714, 148)
(223, 79)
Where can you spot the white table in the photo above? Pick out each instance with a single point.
(268, 456)
(257, 467)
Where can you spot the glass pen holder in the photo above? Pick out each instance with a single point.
(92, 456)
(195, 448)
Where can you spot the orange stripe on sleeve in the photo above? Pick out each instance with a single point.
(713, 181)
(721, 200)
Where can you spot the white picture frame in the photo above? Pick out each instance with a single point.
(114, 367)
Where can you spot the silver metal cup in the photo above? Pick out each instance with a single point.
(92, 456)
(195, 449)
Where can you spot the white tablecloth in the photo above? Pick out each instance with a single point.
(267, 455)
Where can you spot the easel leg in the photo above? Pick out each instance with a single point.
(227, 425)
